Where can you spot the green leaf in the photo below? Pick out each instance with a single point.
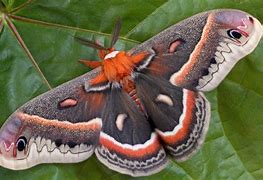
(39, 50)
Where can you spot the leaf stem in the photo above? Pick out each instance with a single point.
(22, 43)
(15, 10)
(34, 21)
(1, 25)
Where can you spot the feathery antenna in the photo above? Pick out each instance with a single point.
(90, 43)
(115, 36)
(116, 32)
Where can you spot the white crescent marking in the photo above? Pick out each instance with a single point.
(165, 99)
(120, 120)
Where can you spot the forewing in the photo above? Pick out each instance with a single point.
(200, 51)
(180, 116)
(128, 143)
(62, 125)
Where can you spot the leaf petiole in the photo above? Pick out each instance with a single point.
(23, 45)
(21, 6)
(1, 25)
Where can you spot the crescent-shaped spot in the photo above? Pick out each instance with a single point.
(164, 99)
(120, 120)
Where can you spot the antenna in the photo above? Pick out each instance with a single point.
(90, 43)
(116, 32)
(115, 36)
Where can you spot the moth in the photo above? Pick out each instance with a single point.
(135, 108)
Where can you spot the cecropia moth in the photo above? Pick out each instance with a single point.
(137, 107)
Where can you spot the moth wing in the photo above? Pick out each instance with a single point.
(61, 126)
(200, 51)
(128, 144)
(180, 116)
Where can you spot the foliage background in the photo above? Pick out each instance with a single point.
(234, 145)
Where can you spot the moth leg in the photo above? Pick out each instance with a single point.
(90, 63)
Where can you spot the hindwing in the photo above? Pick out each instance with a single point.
(180, 116)
(128, 142)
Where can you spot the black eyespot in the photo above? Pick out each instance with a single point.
(21, 143)
(234, 34)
